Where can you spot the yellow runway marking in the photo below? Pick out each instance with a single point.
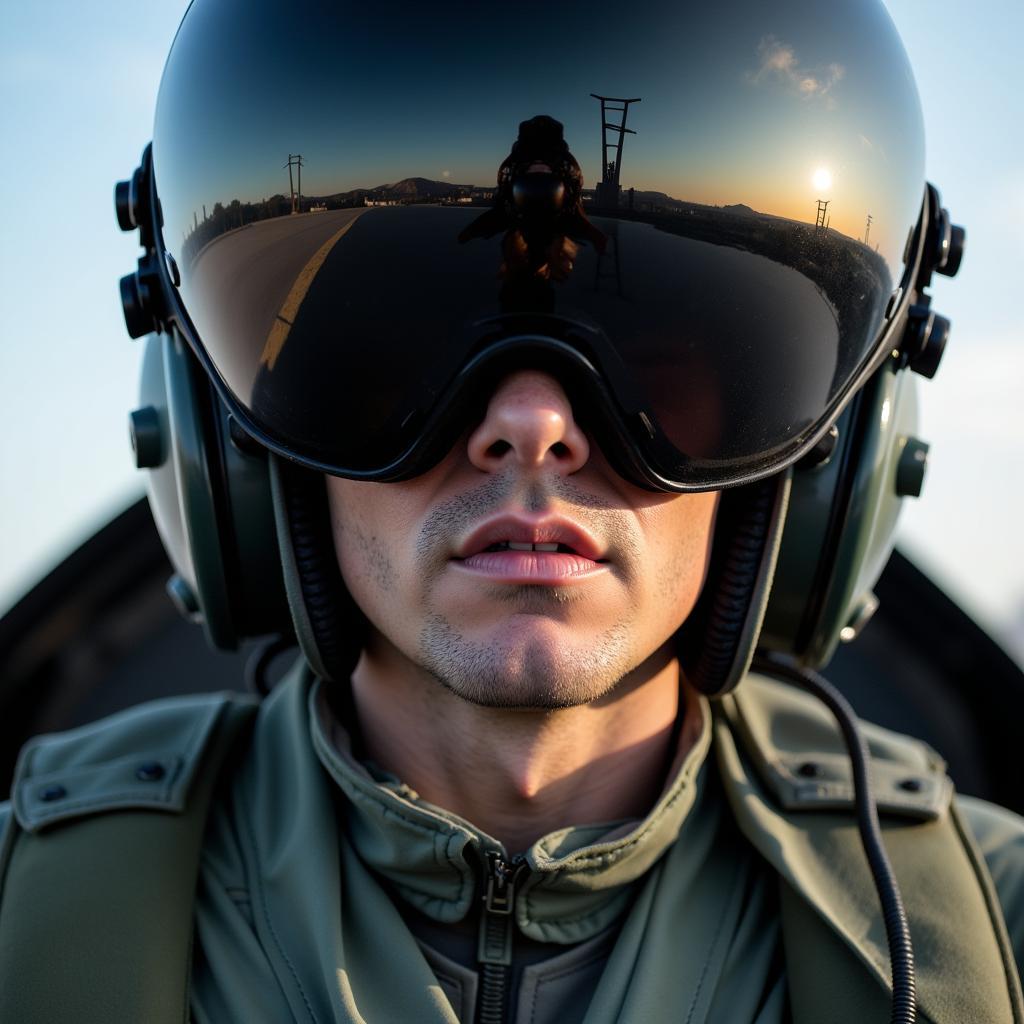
(286, 314)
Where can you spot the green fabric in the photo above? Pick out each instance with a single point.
(960, 963)
(1000, 840)
(307, 858)
(580, 877)
(297, 915)
(96, 913)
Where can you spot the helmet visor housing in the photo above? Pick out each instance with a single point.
(694, 215)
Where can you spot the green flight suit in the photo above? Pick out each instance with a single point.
(328, 891)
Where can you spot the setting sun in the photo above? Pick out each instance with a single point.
(822, 179)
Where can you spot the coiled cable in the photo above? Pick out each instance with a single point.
(897, 929)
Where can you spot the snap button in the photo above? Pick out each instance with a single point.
(150, 771)
(56, 792)
(810, 770)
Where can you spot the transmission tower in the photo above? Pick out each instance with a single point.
(867, 229)
(820, 224)
(608, 187)
(295, 160)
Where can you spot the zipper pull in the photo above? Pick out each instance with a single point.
(502, 879)
(494, 944)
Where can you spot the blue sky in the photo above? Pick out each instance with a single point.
(79, 84)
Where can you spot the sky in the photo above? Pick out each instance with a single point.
(79, 84)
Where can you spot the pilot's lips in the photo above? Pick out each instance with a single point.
(549, 551)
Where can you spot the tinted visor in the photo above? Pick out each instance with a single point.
(363, 252)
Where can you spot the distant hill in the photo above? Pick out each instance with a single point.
(410, 189)
(667, 202)
(420, 187)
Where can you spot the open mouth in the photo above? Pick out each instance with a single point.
(512, 545)
(550, 563)
(518, 548)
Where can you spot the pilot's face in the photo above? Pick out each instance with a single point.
(522, 570)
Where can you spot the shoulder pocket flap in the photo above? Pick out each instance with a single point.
(824, 782)
(144, 757)
(798, 750)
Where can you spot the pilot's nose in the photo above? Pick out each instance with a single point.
(529, 424)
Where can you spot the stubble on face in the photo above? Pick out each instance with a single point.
(551, 647)
(517, 672)
(536, 677)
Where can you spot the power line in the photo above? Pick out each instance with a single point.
(820, 223)
(295, 160)
(608, 187)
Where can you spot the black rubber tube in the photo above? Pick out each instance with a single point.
(897, 929)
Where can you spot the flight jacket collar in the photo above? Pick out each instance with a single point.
(580, 877)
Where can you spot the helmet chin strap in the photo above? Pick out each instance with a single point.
(716, 643)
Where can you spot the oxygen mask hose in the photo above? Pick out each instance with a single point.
(897, 930)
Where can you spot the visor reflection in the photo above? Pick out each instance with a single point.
(341, 232)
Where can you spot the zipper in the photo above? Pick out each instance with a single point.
(494, 944)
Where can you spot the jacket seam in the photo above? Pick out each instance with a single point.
(993, 909)
(601, 954)
(712, 946)
(258, 889)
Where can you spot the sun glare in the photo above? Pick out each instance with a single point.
(822, 179)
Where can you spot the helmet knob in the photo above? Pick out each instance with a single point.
(910, 468)
(137, 299)
(126, 201)
(927, 334)
(146, 437)
(955, 252)
(135, 303)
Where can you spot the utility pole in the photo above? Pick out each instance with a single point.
(820, 223)
(608, 187)
(295, 160)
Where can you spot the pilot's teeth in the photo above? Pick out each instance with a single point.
(545, 547)
(516, 546)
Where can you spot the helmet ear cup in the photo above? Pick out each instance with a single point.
(210, 499)
(841, 523)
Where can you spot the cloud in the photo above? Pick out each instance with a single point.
(778, 63)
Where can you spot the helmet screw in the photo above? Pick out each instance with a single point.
(146, 437)
(172, 269)
(821, 454)
(242, 440)
(861, 615)
(911, 468)
(183, 598)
